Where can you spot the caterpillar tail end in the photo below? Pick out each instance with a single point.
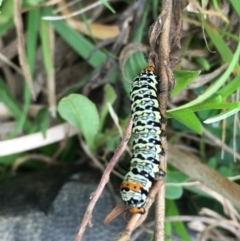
(139, 210)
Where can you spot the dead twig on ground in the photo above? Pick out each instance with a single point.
(104, 180)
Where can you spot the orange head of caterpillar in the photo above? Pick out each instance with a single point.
(149, 68)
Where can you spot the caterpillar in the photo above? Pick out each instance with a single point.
(147, 146)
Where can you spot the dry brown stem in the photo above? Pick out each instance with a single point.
(21, 47)
(162, 25)
(103, 181)
(194, 168)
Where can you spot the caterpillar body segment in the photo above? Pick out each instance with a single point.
(147, 146)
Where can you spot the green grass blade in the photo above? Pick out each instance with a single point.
(215, 106)
(220, 44)
(107, 5)
(80, 44)
(46, 48)
(172, 210)
(236, 6)
(12, 105)
(109, 98)
(222, 116)
(32, 28)
(231, 87)
(214, 87)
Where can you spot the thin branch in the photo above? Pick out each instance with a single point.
(104, 180)
(164, 67)
(21, 46)
(194, 168)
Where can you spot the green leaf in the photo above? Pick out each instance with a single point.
(110, 97)
(173, 192)
(43, 119)
(82, 113)
(168, 231)
(188, 118)
(32, 28)
(141, 31)
(13, 106)
(6, 14)
(222, 116)
(133, 66)
(106, 4)
(203, 62)
(212, 105)
(219, 43)
(183, 78)
(80, 44)
(226, 171)
(47, 58)
(171, 210)
(231, 86)
(212, 162)
(236, 6)
(216, 85)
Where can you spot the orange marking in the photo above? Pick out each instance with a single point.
(134, 186)
(137, 210)
(149, 68)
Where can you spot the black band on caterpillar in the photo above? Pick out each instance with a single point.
(147, 146)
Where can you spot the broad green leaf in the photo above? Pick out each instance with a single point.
(226, 171)
(82, 113)
(110, 97)
(222, 116)
(215, 86)
(81, 44)
(179, 226)
(212, 162)
(188, 118)
(183, 78)
(173, 192)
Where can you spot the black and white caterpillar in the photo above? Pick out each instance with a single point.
(147, 146)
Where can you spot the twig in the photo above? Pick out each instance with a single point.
(36, 140)
(21, 47)
(194, 168)
(104, 180)
(165, 77)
